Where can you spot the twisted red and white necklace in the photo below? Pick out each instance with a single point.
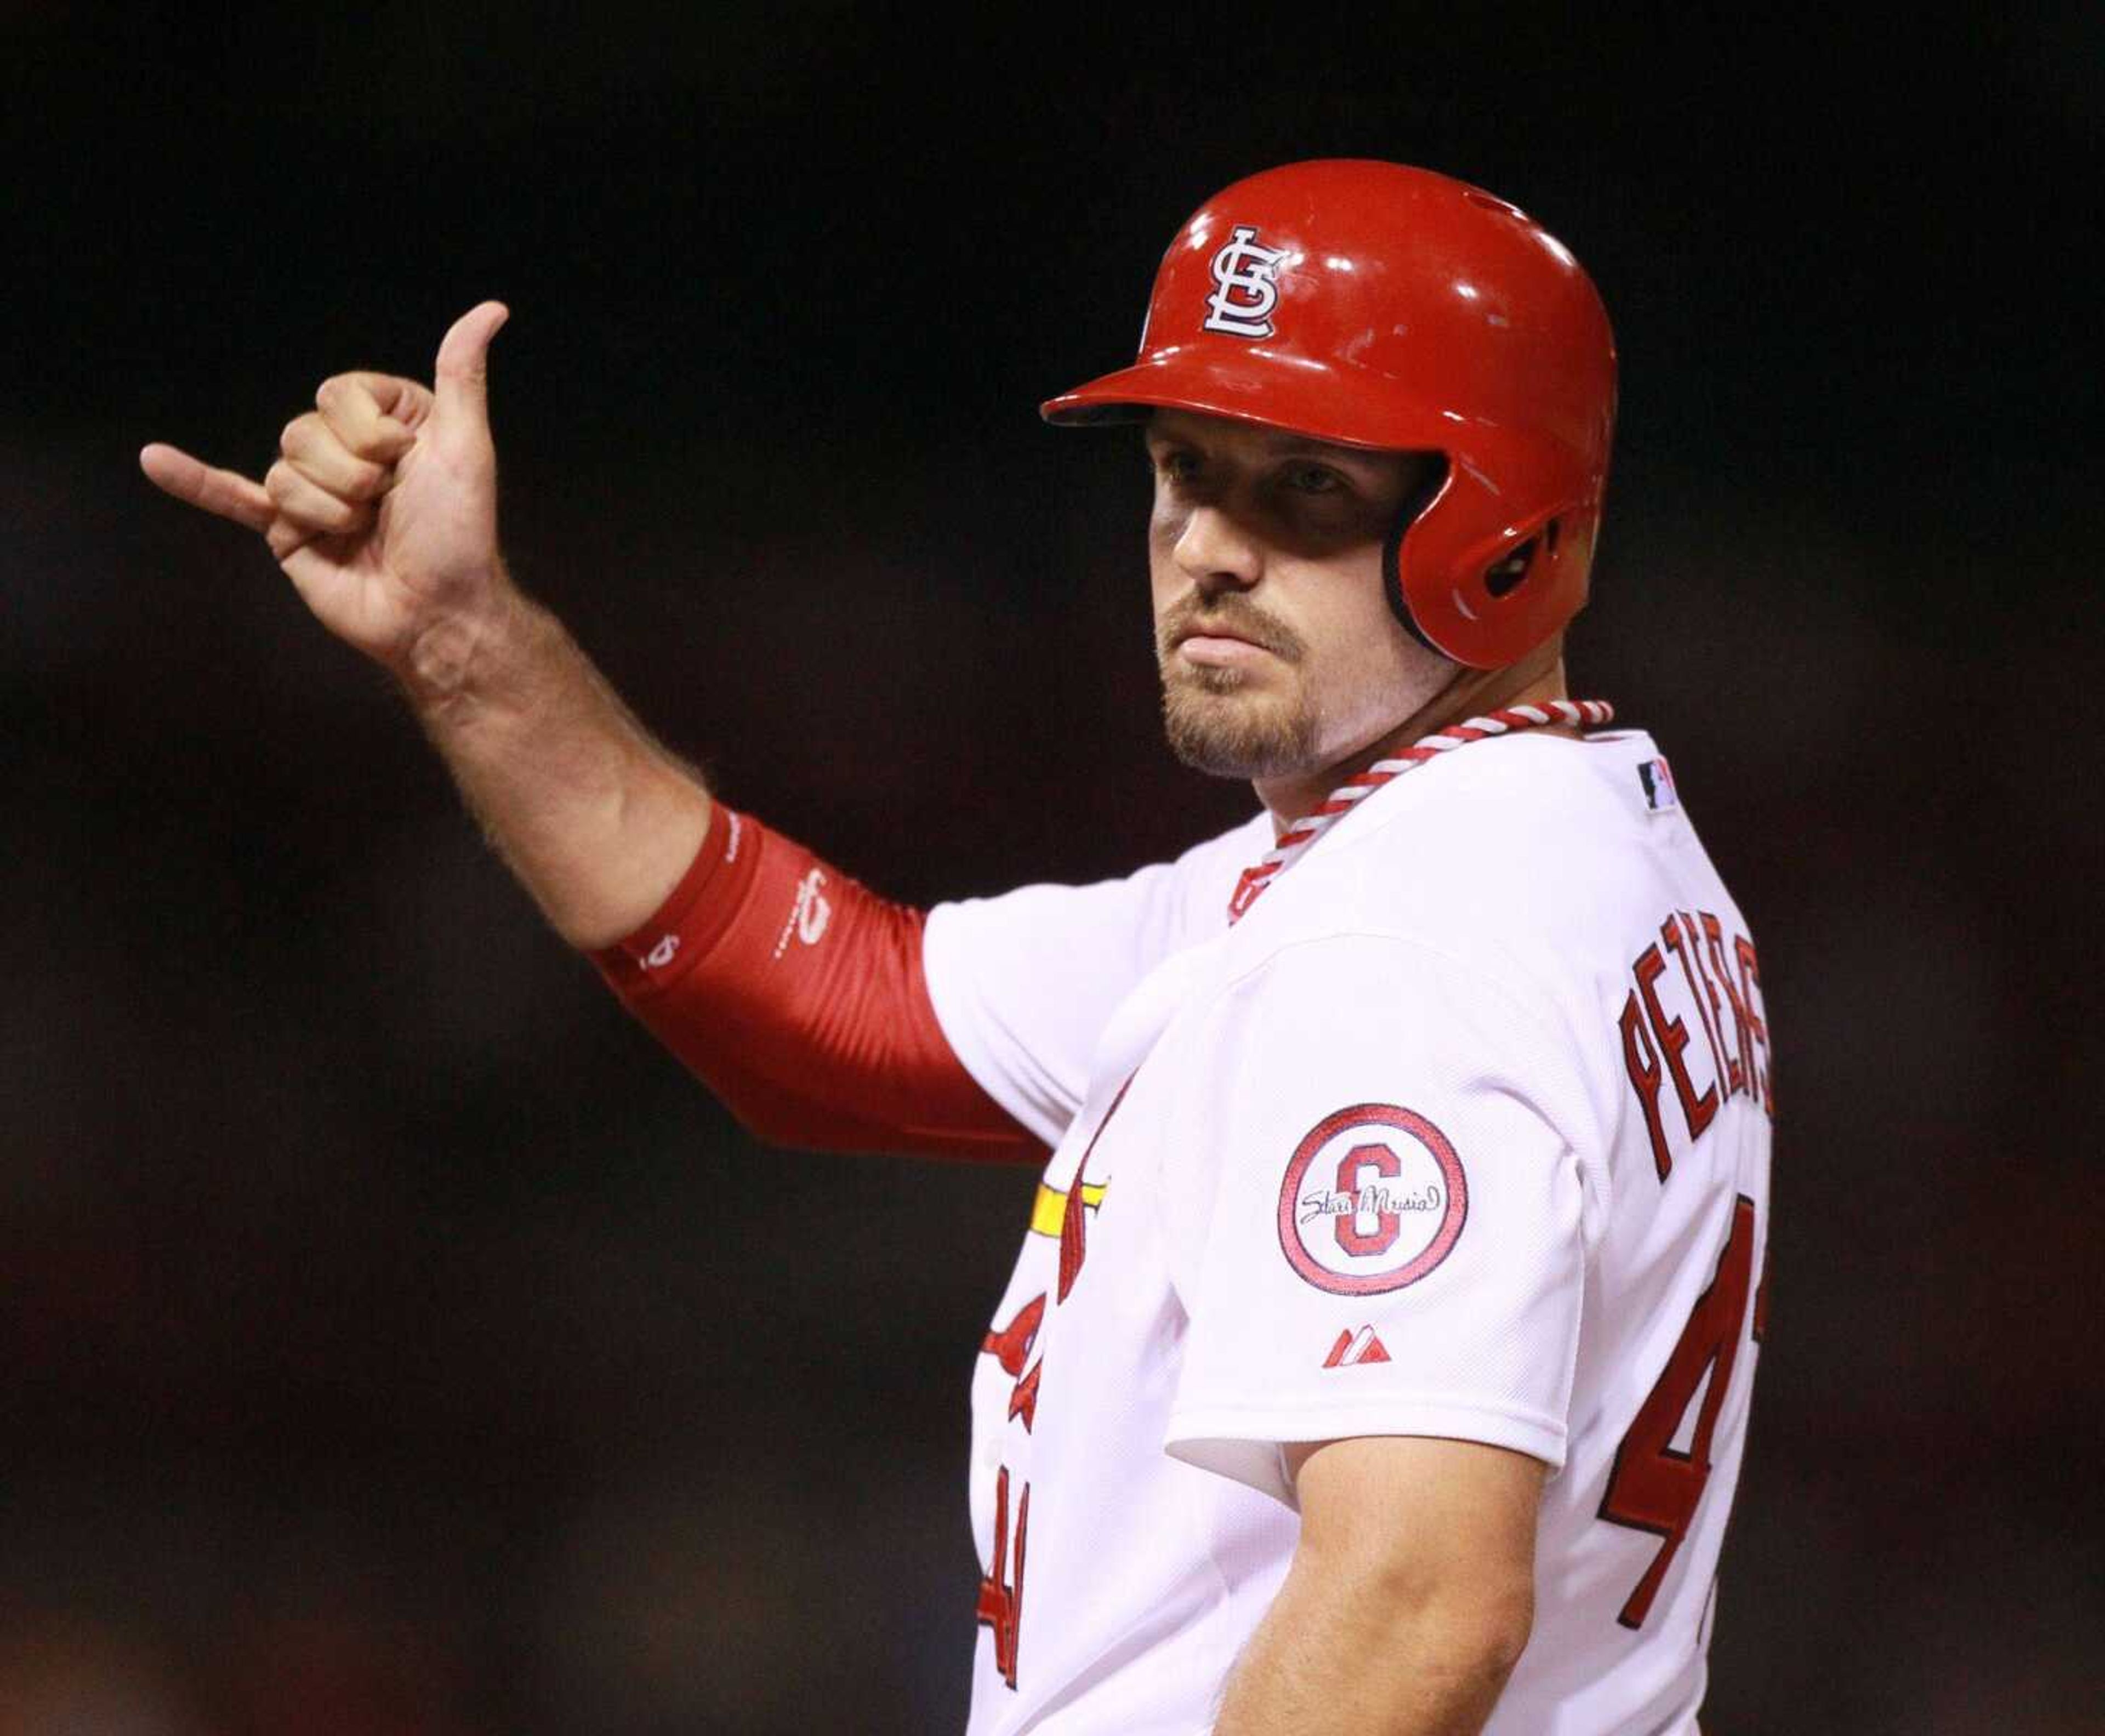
(1509, 720)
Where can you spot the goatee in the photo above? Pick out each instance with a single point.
(1212, 730)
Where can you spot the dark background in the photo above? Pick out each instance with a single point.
(395, 1342)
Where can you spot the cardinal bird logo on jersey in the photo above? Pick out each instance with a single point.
(1374, 1198)
(1244, 293)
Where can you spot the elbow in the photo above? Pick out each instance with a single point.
(787, 1128)
(1504, 1625)
(1480, 1627)
(767, 1125)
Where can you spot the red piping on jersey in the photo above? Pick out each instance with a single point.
(799, 999)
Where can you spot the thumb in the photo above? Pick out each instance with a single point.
(463, 367)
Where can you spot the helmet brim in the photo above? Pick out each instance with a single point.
(1347, 406)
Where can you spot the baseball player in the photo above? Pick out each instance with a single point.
(1379, 1352)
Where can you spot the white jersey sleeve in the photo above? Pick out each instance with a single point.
(1395, 1191)
(1024, 984)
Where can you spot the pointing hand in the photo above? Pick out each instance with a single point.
(381, 507)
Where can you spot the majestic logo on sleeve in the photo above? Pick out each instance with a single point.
(1242, 302)
(1373, 1199)
(1353, 1349)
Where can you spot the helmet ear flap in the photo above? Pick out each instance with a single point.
(1416, 504)
(1509, 572)
(1482, 585)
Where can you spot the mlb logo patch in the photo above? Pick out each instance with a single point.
(1657, 778)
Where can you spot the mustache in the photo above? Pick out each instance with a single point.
(1231, 617)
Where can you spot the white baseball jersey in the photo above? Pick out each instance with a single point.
(1462, 1131)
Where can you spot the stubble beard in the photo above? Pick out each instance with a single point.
(1217, 725)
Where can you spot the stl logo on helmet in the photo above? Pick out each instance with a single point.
(1244, 294)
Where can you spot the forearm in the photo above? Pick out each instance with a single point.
(596, 819)
(1338, 1653)
(381, 510)
(800, 998)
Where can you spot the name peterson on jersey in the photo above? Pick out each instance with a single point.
(1432, 1142)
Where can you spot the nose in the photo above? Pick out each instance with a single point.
(1216, 553)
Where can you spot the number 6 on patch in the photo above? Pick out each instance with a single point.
(1651, 1487)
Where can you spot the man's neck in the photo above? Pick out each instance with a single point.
(1471, 694)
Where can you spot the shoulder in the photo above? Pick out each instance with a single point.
(1175, 902)
(1541, 809)
(1508, 854)
(1208, 870)
(1497, 886)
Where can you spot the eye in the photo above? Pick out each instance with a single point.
(1175, 463)
(1314, 478)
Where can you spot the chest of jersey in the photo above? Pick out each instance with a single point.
(1075, 1373)
(1102, 1541)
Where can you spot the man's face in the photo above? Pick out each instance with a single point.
(1279, 652)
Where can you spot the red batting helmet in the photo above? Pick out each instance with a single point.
(1373, 304)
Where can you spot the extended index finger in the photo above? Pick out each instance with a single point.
(227, 494)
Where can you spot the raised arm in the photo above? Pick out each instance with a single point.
(381, 509)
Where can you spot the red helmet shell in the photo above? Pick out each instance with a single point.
(1373, 304)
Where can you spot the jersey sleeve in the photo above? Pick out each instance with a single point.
(1382, 1221)
(1023, 984)
(797, 995)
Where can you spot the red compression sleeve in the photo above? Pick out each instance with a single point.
(798, 998)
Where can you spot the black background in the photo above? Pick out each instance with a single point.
(397, 1343)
